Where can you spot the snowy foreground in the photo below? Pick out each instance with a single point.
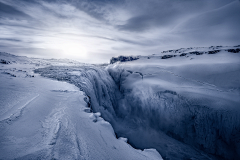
(182, 104)
(47, 119)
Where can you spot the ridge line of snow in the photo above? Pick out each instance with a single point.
(19, 112)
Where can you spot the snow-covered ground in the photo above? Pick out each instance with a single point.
(42, 118)
(184, 103)
(192, 95)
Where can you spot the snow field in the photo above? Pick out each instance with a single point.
(47, 119)
(194, 98)
(186, 107)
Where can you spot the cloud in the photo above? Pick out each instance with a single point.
(12, 12)
(9, 39)
(106, 28)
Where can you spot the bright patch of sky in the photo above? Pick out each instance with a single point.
(93, 31)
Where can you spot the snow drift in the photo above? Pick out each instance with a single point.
(42, 118)
(184, 103)
(190, 95)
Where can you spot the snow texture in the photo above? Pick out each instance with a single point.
(192, 97)
(46, 119)
(184, 103)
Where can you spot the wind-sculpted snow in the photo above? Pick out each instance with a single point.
(196, 102)
(42, 118)
(153, 101)
(94, 81)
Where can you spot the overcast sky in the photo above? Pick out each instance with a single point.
(93, 31)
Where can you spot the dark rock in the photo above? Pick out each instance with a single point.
(167, 51)
(234, 50)
(213, 52)
(183, 54)
(4, 61)
(122, 59)
(196, 52)
(167, 56)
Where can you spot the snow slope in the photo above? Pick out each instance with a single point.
(184, 103)
(106, 98)
(161, 102)
(46, 119)
(191, 95)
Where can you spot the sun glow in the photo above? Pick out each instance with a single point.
(65, 47)
(73, 49)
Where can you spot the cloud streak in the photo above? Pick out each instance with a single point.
(83, 29)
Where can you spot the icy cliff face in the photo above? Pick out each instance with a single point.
(191, 95)
(98, 86)
(42, 118)
(103, 95)
(193, 98)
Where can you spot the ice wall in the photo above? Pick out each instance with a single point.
(209, 123)
(100, 89)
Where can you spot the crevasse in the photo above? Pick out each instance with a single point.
(209, 124)
(188, 120)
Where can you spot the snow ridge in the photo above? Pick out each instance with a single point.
(55, 124)
(169, 98)
(94, 81)
(177, 102)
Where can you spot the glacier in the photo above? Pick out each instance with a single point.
(185, 98)
(184, 103)
(193, 98)
(41, 118)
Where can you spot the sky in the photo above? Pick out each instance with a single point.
(93, 31)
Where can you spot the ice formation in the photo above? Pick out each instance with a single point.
(42, 118)
(184, 103)
(187, 97)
